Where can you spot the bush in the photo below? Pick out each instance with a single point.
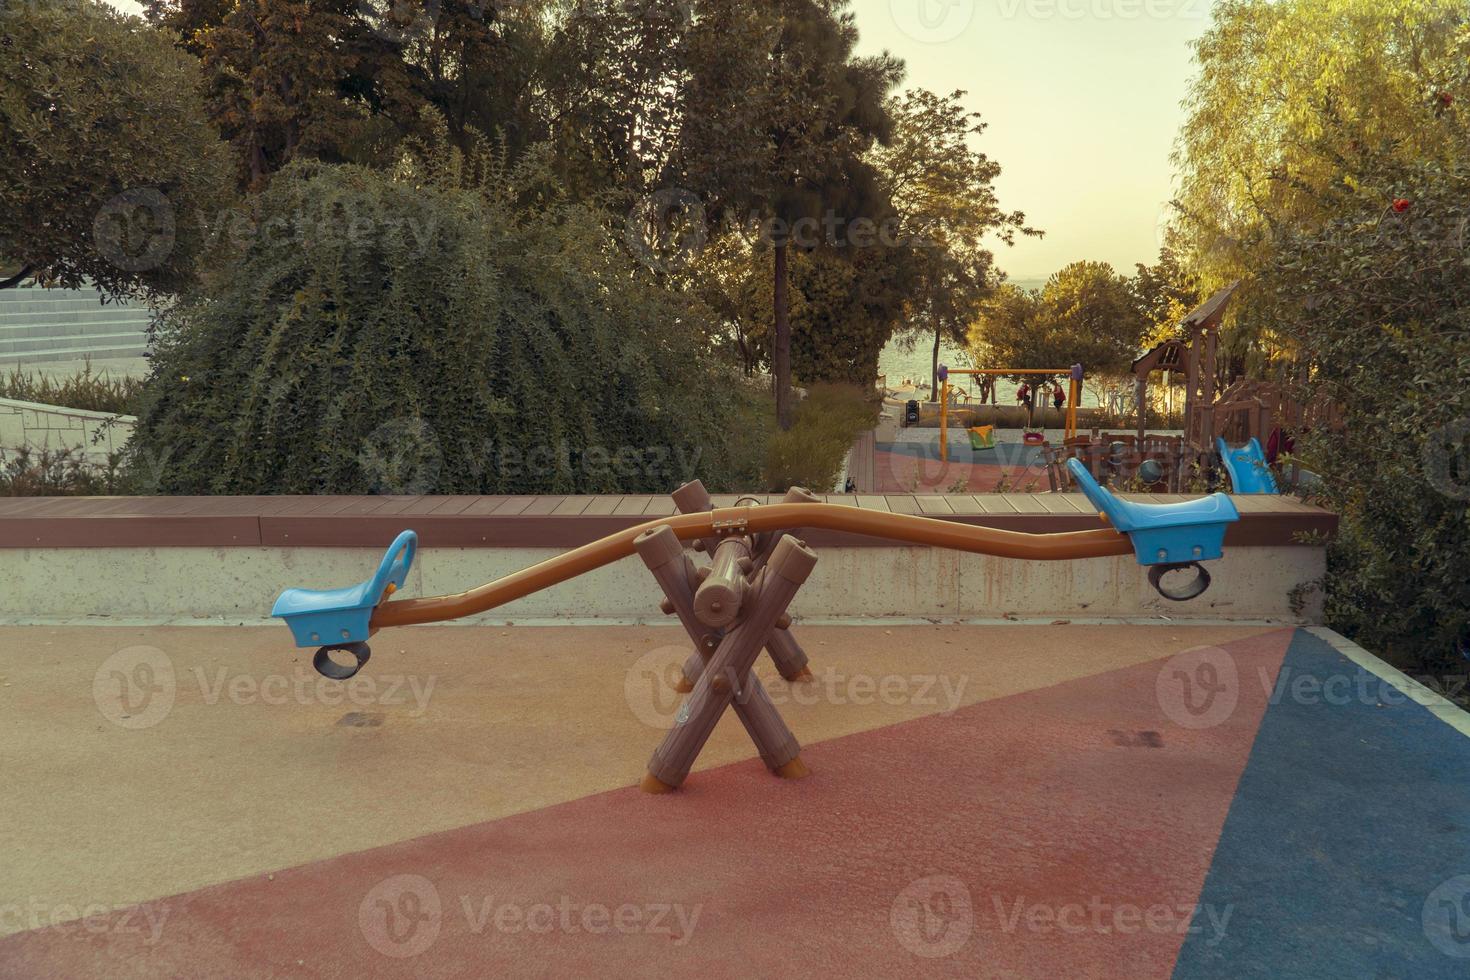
(1378, 304)
(45, 473)
(425, 333)
(83, 390)
(810, 453)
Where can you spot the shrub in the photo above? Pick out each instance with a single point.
(810, 453)
(424, 332)
(83, 390)
(1378, 304)
(66, 473)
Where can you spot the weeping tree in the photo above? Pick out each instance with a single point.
(419, 333)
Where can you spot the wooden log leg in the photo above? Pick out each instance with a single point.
(788, 656)
(778, 747)
(715, 690)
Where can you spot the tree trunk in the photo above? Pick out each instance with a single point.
(934, 366)
(781, 344)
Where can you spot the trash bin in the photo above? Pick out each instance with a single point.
(911, 413)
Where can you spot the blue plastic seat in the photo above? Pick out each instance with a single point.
(1247, 466)
(339, 616)
(1163, 534)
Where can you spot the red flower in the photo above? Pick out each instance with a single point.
(1446, 99)
(1400, 205)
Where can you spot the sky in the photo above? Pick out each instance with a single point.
(1082, 98)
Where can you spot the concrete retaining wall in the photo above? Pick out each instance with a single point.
(36, 426)
(241, 584)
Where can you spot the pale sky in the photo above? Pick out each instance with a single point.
(1082, 98)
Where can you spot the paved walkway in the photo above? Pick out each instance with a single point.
(993, 801)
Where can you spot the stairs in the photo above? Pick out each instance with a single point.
(38, 325)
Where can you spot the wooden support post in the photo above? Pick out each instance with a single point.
(727, 678)
(779, 750)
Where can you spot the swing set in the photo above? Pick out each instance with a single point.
(1074, 394)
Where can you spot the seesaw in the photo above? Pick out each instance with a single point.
(736, 605)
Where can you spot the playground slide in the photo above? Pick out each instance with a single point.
(1247, 466)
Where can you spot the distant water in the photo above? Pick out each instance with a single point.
(899, 364)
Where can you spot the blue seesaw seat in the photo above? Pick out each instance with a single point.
(1247, 466)
(1163, 534)
(342, 615)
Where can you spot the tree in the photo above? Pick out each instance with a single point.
(777, 116)
(347, 80)
(1085, 314)
(1376, 306)
(423, 332)
(1294, 103)
(112, 170)
(942, 190)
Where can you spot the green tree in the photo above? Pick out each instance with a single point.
(347, 80)
(1376, 306)
(777, 117)
(109, 161)
(1294, 104)
(1085, 314)
(943, 193)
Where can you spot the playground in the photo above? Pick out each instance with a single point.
(974, 807)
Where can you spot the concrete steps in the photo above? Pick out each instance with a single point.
(39, 325)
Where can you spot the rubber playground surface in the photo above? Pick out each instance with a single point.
(985, 801)
(911, 464)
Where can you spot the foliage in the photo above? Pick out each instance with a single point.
(943, 195)
(442, 340)
(777, 116)
(811, 452)
(1086, 313)
(1296, 104)
(1166, 292)
(27, 472)
(348, 80)
(108, 156)
(1378, 303)
(83, 390)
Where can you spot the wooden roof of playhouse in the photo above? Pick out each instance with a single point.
(1170, 355)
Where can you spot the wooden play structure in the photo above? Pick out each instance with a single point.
(736, 605)
(1243, 411)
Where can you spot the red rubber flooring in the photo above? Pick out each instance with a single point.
(1063, 832)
